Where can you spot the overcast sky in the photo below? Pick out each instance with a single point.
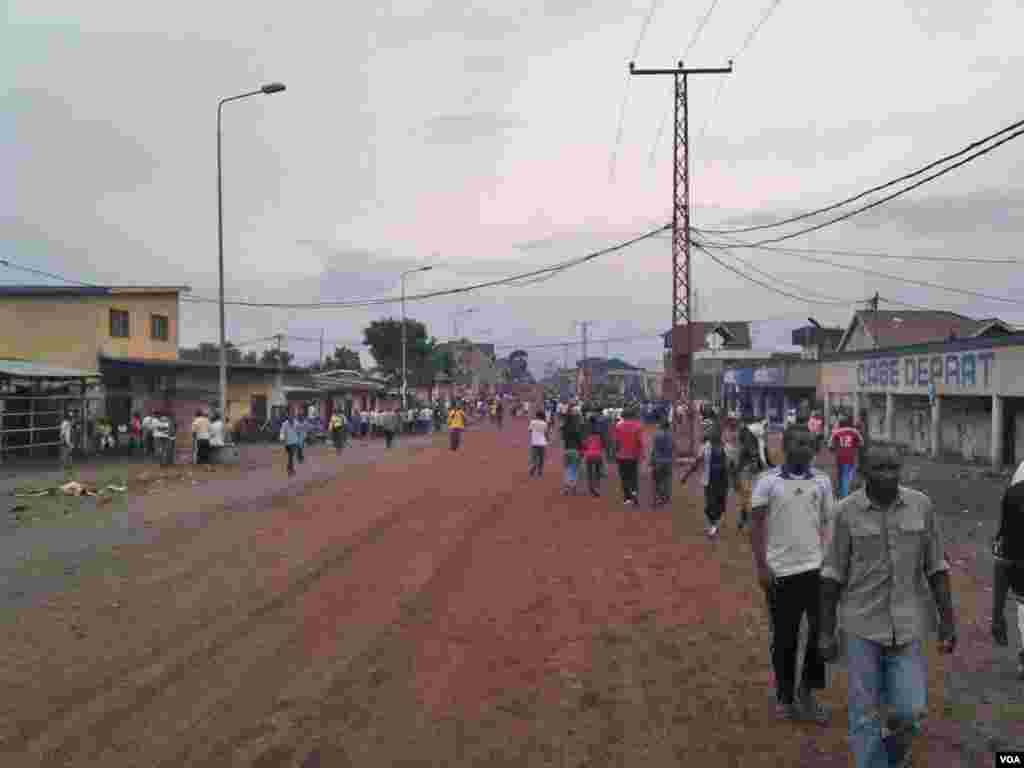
(484, 138)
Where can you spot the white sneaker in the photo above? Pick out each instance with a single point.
(712, 531)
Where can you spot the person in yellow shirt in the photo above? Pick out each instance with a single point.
(456, 425)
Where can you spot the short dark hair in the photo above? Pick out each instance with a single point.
(793, 429)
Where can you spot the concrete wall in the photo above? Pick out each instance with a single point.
(912, 424)
(966, 428)
(73, 331)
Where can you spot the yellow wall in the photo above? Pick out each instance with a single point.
(73, 331)
(240, 392)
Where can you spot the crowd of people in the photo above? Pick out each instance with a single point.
(860, 559)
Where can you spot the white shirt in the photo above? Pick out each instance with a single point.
(65, 432)
(538, 433)
(147, 423)
(217, 434)
(799, 511)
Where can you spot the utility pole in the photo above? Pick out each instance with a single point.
(584, 328)
(681, 282)
(321, 348)
(873, 301)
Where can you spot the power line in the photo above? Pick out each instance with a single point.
(625, 94)
(554, 269)
(870, 254)
(757, 27)
(905, 177)
(887, 198)
(832, 299)
(804, 299)
(700, 28)
(886, 275)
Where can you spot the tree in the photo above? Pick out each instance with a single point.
(384, 338)
(207, 352)
(276, 357)
(343, 358)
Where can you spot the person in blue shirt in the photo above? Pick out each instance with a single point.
(290, 437)
(662, 456)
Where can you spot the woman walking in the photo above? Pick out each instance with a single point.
(538, 443)
(593, 455)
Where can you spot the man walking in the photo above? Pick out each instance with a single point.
(389, 425)
(792, 506)
(301, 427)
(714, 462)
(456, 425)
(67, 441)
(572, 445)
(629, 439)
(748, 466)
(846, 442)
(201, 439)
(663, 450)
(1008, 549)
(337, 429)
(884, 566)
(290, 437)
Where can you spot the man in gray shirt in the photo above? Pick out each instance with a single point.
(885, 567)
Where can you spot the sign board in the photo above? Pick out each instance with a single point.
(984, 371)
(754, 377)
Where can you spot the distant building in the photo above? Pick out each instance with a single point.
(870, 330)
(709, 343)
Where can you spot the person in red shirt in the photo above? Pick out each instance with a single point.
(593, 454)
(629, 437)
(846, 442)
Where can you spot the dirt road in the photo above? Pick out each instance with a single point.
(427, 608)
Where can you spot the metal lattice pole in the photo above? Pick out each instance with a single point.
(681, 277)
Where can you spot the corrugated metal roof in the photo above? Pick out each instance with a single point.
(88, 290)
(29, 369)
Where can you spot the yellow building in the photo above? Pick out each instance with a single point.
(74, 326)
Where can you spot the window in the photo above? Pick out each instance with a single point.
(159, 325)
(119, 325)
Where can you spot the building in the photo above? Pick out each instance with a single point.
(710, 343)
(768, 385)
(816, 340)
(474, 368)
(938, 383)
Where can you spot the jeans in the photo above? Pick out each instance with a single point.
(300, 449)
(572, 467)
(454, 438)
(846, 472)
(714, 502)
(662, 482)
(291, 449)
(789, 600)
(885, 682)
(389, 437)
(629, 475)
(537, 460)
(595, 468)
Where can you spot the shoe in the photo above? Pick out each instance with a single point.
(628, 502)
(787, 711)
(712, 531)
(811, 711)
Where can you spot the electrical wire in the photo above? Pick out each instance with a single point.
(887, 198)
(905, 177)
(833, 299)
(554, 269)
(804, 299)
(886, 275)
(757, 27)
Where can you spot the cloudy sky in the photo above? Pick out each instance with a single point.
(491, 138)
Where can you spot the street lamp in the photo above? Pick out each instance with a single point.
(269, 88)
(404, 274)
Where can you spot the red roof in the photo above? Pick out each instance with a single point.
(896, 328)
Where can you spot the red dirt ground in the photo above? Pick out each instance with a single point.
(434, 608)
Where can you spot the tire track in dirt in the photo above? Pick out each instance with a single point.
(120, 708)
(184, 636)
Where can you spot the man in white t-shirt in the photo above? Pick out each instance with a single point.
(538, 443)
(792, 507)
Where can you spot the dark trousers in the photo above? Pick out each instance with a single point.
(389, 437)
(662, 482)
(202, 451)
(339, 439)
(595, 468)
(789, 600)
(291, 450)
(714, 502)
(454, 438)
(300, 449)
(537, 460)
(629, 474)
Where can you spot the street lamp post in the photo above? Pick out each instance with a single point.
(269, 88)
(427, 268)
